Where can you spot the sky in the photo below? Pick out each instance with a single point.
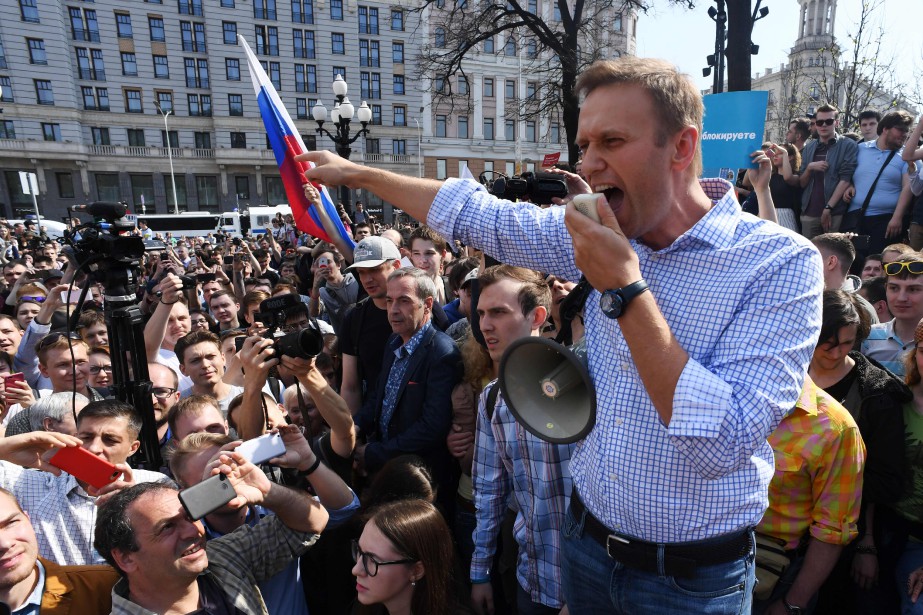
(686, 37)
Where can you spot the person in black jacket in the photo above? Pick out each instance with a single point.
(875, 398)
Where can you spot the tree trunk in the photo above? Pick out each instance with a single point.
(737, 50)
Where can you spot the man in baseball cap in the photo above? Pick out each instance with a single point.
(372, 252)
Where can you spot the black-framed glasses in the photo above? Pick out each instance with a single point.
(162, 392)
(914, 267)
(370, 564)
(95, 369)
(827, 122)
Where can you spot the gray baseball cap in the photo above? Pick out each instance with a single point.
(373, 251)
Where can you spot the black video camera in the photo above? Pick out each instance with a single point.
(304, 344)
(538, 188)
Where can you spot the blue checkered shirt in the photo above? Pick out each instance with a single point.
(887, 348)
(508, 460)
(396, 375)
(742, 296)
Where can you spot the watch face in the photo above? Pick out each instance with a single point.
(611, 304)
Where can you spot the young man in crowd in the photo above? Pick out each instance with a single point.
(197, 414)
(200, 358)
(168, 323)
(888, 341)
(428, 251)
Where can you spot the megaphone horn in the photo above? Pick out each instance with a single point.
(548, 388)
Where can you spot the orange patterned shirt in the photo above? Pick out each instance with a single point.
(817, 485)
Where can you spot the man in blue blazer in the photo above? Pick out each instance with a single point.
(410, 410)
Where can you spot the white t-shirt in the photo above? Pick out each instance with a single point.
(169, 358)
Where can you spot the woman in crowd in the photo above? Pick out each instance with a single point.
(100, 368)
(404, 561)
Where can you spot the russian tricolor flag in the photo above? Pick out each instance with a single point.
(286, 144)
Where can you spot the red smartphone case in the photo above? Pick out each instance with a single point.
(85, 466)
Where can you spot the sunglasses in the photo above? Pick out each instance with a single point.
(53, 338)
(370, 564)
(33, 299)
(914, 267)
(828, 122)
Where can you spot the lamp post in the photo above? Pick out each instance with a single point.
(341, 115)
(166, 128)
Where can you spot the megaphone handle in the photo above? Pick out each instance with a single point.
(560, 380)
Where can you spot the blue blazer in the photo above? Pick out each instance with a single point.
(422, 415)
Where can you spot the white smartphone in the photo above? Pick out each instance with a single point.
(72, 296)
(586, 204)
(262, 449)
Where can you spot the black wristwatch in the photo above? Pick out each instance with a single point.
(828, 207)
(614, 301)
(791, 608)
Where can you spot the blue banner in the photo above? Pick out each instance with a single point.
(733, 129)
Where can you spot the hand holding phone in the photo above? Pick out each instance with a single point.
(12, 379)
(207, 497)
(85, 466)
(262, 449)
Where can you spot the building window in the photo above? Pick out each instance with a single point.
(84, 26)
(489, 128)
(397, 52)
(37, 51)
(400, 115)
(190, 7)
(488, 87)
(399, 147)
(142, 188)
(230, 32)
(203, 140)
(267, 40)
(196, 73)
(51, 132)
(129, 64)
(206, 187)
(531, 87)
(133, 101)
(439, 85)
(264, 9)
(232, 68)
(441, 172)
(617, 23)
(7, 84)
(161, 68)
(554, 135)
(44, 95)
(339, 70)
(397, 19)
(337, 45)
(462, 85)
(301, 108)
(155, 25)
(489, 45)
(28, 9)
(399, 84)
(530, 131)
(199, 105)
(165, 101)
(136, 137)
(440, 38)
(510, 48)
(235, 104)
(557, 11)
(100, 136)
(239, 140)
(440, 125)
(228, 4)
(97, 100)
(372, 146)
(123, 25)
(368, 20)
(462, 126)
(6, 130)
(193, 35)
(242, 186)
(65, 185)
(107, 187)
(274, 72)
(170, 140)
(305, 78)
(489, 165)
(304, 44)
(369, 53)
(509, 130)
(303, 11)
(336, 10)
(376, 115)
(510, 89)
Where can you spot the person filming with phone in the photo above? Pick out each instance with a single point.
(700, 327)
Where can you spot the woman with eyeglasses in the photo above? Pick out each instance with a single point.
(100, 367)
(404, 562)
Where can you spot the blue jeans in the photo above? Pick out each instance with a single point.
(595, 584)
(910, 560)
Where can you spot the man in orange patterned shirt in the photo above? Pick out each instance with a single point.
(814, 496)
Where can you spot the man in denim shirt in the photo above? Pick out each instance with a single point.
(827, 165)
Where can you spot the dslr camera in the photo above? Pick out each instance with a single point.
(538, 188)
(304, 344)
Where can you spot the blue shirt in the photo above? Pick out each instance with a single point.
(888, 190)
(742, 296)
(396, 375)
(508, 460)
(887, 348)
(33, 603)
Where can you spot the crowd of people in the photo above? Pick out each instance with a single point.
(758, 430)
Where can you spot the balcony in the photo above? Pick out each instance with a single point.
(82, 34)
(190, 8)
(387, 158)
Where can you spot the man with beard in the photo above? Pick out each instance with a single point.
(32, 584)
(165, 393)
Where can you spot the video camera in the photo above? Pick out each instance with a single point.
(304, 344)
(538, 188)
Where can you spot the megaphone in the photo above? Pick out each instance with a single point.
(548, 388)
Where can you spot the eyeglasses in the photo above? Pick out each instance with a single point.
(296, 326)
(827, 122)
(370, 564)
(162, 392)
(35, 299)
(95, 369)
(914, 267)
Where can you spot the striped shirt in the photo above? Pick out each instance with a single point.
(817, 485)
(742, 296)
(887, 348)
(508, 460)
